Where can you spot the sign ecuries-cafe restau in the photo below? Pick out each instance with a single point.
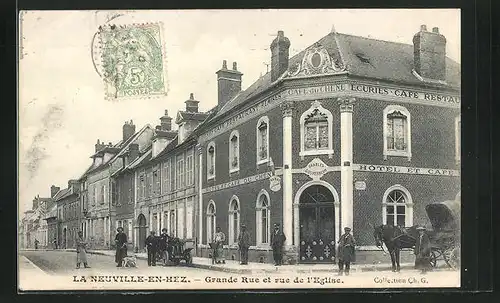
(348, 88)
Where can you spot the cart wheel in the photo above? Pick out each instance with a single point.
(452, 257)
(433, 258)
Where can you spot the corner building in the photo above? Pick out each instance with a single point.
(351, 132)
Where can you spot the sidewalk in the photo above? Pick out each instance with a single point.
(256, 268)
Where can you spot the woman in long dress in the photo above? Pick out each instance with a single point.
(219, 239)
(81, 251)
(121, 246)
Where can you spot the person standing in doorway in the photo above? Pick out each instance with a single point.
(55, 243)
(81, 251)
(346, 251)
(151, 246)
(277, 241)
(121, 246)
(219, 239)
(422, 251)
(244, 244)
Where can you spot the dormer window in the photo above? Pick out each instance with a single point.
(211, 160)
(316, 131)
(262, 140)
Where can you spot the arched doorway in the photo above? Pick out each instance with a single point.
(141, 221)
(317, 225)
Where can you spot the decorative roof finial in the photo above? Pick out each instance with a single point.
(333, 31)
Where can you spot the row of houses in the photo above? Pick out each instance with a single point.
(351, 131)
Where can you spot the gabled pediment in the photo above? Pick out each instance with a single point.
(317, 61)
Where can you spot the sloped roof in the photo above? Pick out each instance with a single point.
(122, 146)
(63, 194)
(185, 115)
(388, 61)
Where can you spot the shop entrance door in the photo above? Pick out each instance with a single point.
(317, 225)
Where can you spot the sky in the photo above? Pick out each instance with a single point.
(61, 105)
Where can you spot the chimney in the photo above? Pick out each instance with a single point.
(99, 145)
(228, 83)
(429, 53)
(192, 104)
(128, 130)
(53, 190)
(133, 152)
(166, 122)
(279, 55)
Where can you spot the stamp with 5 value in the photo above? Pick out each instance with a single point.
(132, 62)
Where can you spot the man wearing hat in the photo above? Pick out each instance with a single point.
(422, 250)
(151, 246)
(346, 251)
(162, 244)
(244, 244)
(277, 241)
(121, 246)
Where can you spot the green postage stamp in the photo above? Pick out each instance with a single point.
(132, 60)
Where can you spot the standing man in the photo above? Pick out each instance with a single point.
(346, 251)
(422, 250)
(81, 251)
(55, 243)
(121, 246)
(277, 241)
(163, 246)
(244, 244)
(151, 246)
(36, 244)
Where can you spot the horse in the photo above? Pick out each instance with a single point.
(395, 238)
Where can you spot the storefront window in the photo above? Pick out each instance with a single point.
(210, 221)
(234, 220)
(397, 207)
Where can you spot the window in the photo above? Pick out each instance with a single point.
(180, 172)
(397, 207)
(234, 151)
(263, 218)
(142, 185)
(189, 168)
(156, 181)
(316, 128)
(397, 132)
(103, 194)
(210, 221)
(130, 186)
(166, 177)
(94, 194)
(211, 160)
(149, 182)
(262, 140)
(115, 193)
(234, 220)
(458, 129)
(173, 223)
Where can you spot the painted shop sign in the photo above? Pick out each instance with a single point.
(407, 170)
(360, 185)
(354, 89)
(275, 183)
(249, 113)
(316, 169)
(239, 182)
(368, 90)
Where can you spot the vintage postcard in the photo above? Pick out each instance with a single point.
(239, 149)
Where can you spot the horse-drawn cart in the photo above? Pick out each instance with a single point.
(445, 233)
